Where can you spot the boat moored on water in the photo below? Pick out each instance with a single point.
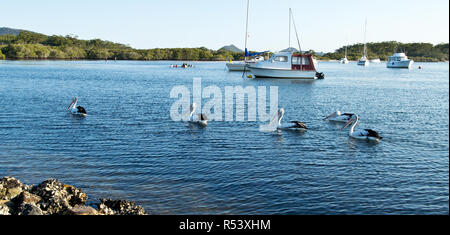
(363, 61)
(242, 65)
(375, 60)
(286, 65)
(344, 60)
(399, 60)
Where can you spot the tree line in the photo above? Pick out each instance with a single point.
(30, 45)
(420, 52)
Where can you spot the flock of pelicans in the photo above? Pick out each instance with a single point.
(202, 120)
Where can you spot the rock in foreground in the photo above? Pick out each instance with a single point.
(52, 197)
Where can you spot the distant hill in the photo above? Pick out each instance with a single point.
(290, 49)
(231, 48)
(5, 30)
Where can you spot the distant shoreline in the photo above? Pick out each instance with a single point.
(179, 61)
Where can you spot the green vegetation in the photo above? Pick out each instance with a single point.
(30, 45)
(420, 52)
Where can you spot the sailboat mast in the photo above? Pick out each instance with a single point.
(290, 16)
(365, 34)
(246, 30)
(345, 51)
(296, 34)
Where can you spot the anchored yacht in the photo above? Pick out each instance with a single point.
(399, 60)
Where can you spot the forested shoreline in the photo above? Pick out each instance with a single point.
(30, 45)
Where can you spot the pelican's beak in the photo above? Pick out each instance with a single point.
(332, 115)
(70, 105)
(346, 124)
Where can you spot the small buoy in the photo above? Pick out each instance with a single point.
(420, 67)
(250, 76)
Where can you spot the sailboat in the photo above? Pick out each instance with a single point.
(287, 64)
(344, 60)
(364, 61)
(243, 65)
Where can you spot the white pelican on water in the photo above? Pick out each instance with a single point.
(293, 125)
(201, 119)
(76, 110)
(338, 117)
(366, 134)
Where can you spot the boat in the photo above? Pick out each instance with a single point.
(184, 66)
(364, 61)
(287, 64)
(242, 65)
(255, 57)
(375, 60)
(344, 60)
(399, 60)
(315, 61)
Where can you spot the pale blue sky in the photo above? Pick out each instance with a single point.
(324, 25)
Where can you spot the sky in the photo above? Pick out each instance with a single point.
(323, 25)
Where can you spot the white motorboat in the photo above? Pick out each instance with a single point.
(375, 60)
(287, 64)
(364, 61)
(399, 60)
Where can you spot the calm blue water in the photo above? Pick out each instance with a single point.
(128, 147)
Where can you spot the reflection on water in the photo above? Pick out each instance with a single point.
(128, 147)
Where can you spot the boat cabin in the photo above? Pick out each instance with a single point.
(398, 57)
(292, 61)
(303, 62)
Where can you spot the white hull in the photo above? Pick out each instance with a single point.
(400, 64)
(344, 61)
(282, 73)
(238, 66)
(375, 61)
(363, 63)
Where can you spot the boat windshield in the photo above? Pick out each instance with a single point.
(280, 58)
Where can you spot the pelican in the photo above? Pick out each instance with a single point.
(338, 117)
(292, 125)
(76, 110)
(201, 119)
(366, 134)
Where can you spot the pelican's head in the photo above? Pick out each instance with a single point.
(354, 118)
(73, 102)
(193, 107)
(335, 114)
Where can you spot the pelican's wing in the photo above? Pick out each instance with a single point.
(81, 110)
(299, 124)
(373, 133)
(202, 117)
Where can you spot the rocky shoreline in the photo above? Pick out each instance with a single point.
(52, 197)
